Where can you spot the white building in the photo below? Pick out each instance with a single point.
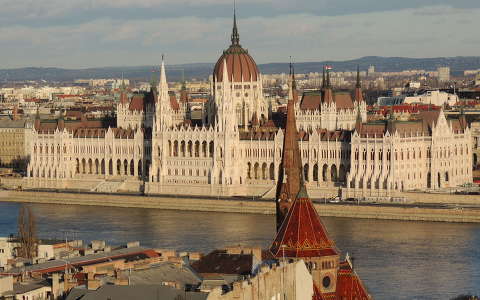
(443, 74)
(237, 150)
(435, 97)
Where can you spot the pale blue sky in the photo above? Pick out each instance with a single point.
(93, 33)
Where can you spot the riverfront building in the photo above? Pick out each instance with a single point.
(237, 148)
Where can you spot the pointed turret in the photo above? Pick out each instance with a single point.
(328, 93)
(184, 93)
(163, 85)
(123, 93)
(292, 92)
(358, 122)
(358, 87)
(290, 173)
(324, 82)
(235, 35)
(37, 119)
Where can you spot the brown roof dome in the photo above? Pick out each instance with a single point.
(240, 65)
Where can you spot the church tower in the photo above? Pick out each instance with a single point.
(300, 231)
(290, 171)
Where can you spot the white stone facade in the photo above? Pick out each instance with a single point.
(224, 158)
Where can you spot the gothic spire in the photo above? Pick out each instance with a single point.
(323, 78)
(327, 90)
(358, 85)
(163, 85)
(328, 78)
(235, 35)
(290, 174)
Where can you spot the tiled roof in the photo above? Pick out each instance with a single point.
(221, 262)
(137, 103)
(240, 65)
(349, 285)
(313, 100)
(302, 233)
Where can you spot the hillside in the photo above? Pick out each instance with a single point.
(203, 70)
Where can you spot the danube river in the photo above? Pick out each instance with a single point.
(396, 260)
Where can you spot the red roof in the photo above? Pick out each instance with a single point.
(349, 285)
(136, 103)
(240, 65)
(302, 233)
(174, 103)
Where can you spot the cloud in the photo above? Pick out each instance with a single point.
(416, 32)
(61, 12)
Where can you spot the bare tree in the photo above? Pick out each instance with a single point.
(27, 233)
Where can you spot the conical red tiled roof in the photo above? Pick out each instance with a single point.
(302, 234)
(349, 285)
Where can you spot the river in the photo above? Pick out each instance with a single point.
(395, 259)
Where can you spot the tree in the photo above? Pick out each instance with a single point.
(27, 233)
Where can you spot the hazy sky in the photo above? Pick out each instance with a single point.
(91, 33)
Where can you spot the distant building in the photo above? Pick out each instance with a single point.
(436, 97)
(443, 74)
(414, 85)
(371, 70)
(15, 136)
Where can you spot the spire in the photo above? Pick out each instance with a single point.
(358, 123)
(37, 119)
(123, 95)
(327, 93)
(292, 92)
(290, 174)
(323, 79)
(235, 35)
(358, 87)
(225, 72)
(328, 78)
(163, 85)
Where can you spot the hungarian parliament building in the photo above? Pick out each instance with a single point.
(237, 148)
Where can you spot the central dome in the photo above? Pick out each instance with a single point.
(240, 65)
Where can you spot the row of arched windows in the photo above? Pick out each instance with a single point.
(190, 149)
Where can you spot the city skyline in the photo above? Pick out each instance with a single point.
(81, 34)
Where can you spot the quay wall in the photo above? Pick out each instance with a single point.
(408, 213)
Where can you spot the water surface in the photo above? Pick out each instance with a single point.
(395, 259)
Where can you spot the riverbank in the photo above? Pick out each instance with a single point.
(406, 213)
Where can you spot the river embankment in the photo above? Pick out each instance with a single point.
(233, 205)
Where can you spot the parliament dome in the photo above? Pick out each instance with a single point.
(240, 65)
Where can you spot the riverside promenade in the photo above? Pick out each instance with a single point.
(411, 212)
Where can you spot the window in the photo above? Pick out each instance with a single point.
(326, 282)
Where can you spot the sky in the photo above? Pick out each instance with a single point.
(98, 33)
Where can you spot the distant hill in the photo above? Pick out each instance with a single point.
(203, 70)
